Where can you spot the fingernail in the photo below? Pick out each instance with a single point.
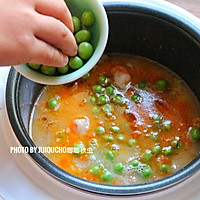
(65, 60)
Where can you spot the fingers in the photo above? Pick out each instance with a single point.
(56, 9)
(55, 32)
(53, 26)
(45, 54)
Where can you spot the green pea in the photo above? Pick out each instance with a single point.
(107, 176)
(142, 85)
(34, 66)
(167, 125)
(144, 166)
(195, 133)
(110, 155)
(77, 24)
(119, 168)
(95, 169)
(162, 84)
(120, 137)
(75, 62)
(118, 99)
(175, 144)
(85, 50)
(52, 103)
(48, 70)
(154, 136)
(83, 36)
(165, 168)
(132, 142)
(135, 163)
(87, 18)
(107, 108)
(108, 138)
(147, 155)
(95, 110)
(92, 99)
(157, 119)
(77, 149)
(167, 150)
(115, 129)
(146, 173)
(157, 149)
(98, 89)
(102, 80)
(63, 70)
(136, 97)
(178, 145)
(100, 130)
(87, 75)
(102, 99)
(110, 90)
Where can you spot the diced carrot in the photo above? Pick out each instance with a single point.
(164, 160)
(73, 138)
(155, 178)
(136, 135)
(64, 92)
(139, 127)
(133, 124)
(63, 162)
(73, 127)
(84, 157)
(129, 92)
(116, 182)
(136, 126)
(89, 177)
(101, 123)
(91, 135)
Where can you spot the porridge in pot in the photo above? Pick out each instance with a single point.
(130, 120)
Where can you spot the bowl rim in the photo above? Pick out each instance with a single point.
(62, 79)
(71, 180)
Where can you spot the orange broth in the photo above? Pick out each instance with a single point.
(121, 141)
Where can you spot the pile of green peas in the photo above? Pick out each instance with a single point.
(105, 94)
(85, 48)
(106, 175)
(143, 169)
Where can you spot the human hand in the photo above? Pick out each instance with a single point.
(29, 28)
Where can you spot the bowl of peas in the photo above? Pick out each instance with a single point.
(91, 34)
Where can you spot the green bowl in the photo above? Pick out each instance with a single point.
(99, 39)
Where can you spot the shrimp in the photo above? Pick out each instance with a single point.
(81, 125)
(121, 76)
